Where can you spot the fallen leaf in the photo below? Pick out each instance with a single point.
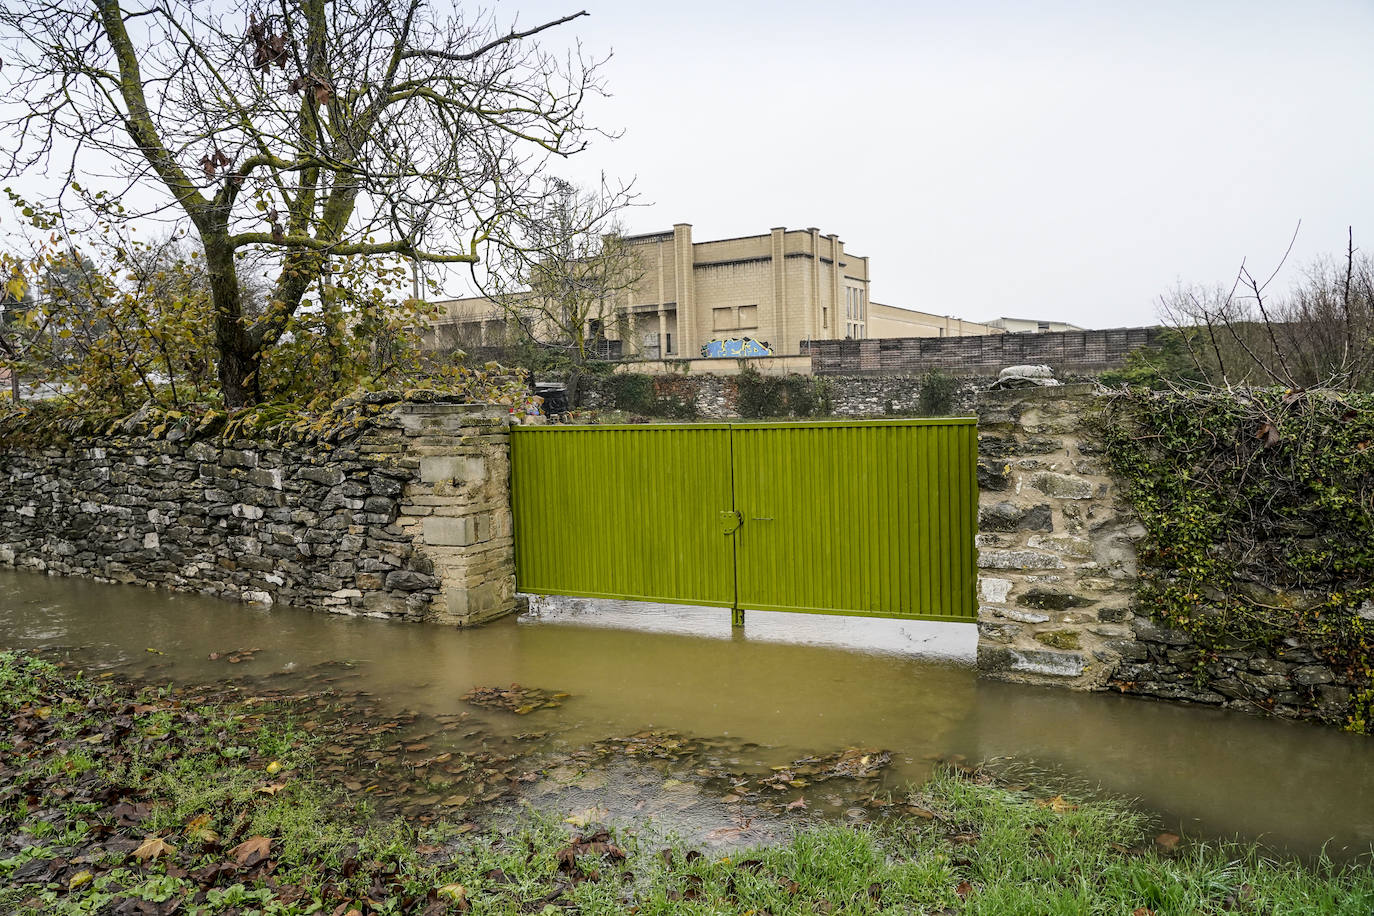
(794, 805)
(151, 848)
(454, 892)
(963, 889)
(274, 768)
(198, 829)
(251, 851)
(1167, 841)
(589, 816)
(1057, 804)
(1142, 911)
(272, 788)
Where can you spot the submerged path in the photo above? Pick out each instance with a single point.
(693, 728)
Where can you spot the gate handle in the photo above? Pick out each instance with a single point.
(760, 518)
(730, 521)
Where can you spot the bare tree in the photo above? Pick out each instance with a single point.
(564, 276)
(308, 129)
(1321, 334)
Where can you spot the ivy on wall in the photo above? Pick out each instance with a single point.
(1259, 512)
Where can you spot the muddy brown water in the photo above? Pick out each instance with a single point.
(788, 687)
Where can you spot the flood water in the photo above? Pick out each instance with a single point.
(788, 687)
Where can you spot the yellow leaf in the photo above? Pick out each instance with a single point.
(272, 788)
(198, 829)
(453, 892)
(1057, 804)
(152, 848)
(273, 768)
(589, 816)
(79, 879)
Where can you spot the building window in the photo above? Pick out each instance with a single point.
(825, 317)
(748, 317)
(723, 319)
(668, 347)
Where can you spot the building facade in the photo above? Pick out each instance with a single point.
(1031, 325)
(890, 321)
(757, 295)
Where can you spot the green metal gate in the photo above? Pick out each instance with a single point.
(873, 518)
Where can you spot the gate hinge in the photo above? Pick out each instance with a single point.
(730, 521)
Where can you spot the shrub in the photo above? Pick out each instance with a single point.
(937, 394)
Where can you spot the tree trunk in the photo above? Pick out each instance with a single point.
(573, 384)
(238, 355)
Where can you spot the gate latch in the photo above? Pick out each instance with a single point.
(730, 521)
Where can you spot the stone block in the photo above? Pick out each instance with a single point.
(1012, 613)
(452, 468)
(1311, 675)
(998, 632)
(328, 476)
(408, 580)
(1063, 486)
(1148, 630)
(1018, 559)
(1078, 548)
(444, 531)
(1058, 639)
(994, 475)
(1052, 599)
(1045, 662)
(1269, 666)
(1007, 516)
(994, 590)
(234, 458)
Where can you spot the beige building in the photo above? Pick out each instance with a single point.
(1031, 325)
(756, 295)
(891, 321)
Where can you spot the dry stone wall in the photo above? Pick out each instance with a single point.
(409, 518)
(1058, 573)
(716, 397)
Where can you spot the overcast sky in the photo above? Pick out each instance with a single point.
(1057, 160)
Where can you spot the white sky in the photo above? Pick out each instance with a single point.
(1055, 159)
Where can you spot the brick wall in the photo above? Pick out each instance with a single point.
(1068, 352)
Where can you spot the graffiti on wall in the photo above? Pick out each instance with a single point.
(735, 348)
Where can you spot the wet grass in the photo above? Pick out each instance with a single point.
(115, 799)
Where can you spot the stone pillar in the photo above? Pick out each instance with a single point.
(457, 508)
(777, 251)
(1056, 540)
(689, 328)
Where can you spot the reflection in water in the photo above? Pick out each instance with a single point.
(906, 688)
